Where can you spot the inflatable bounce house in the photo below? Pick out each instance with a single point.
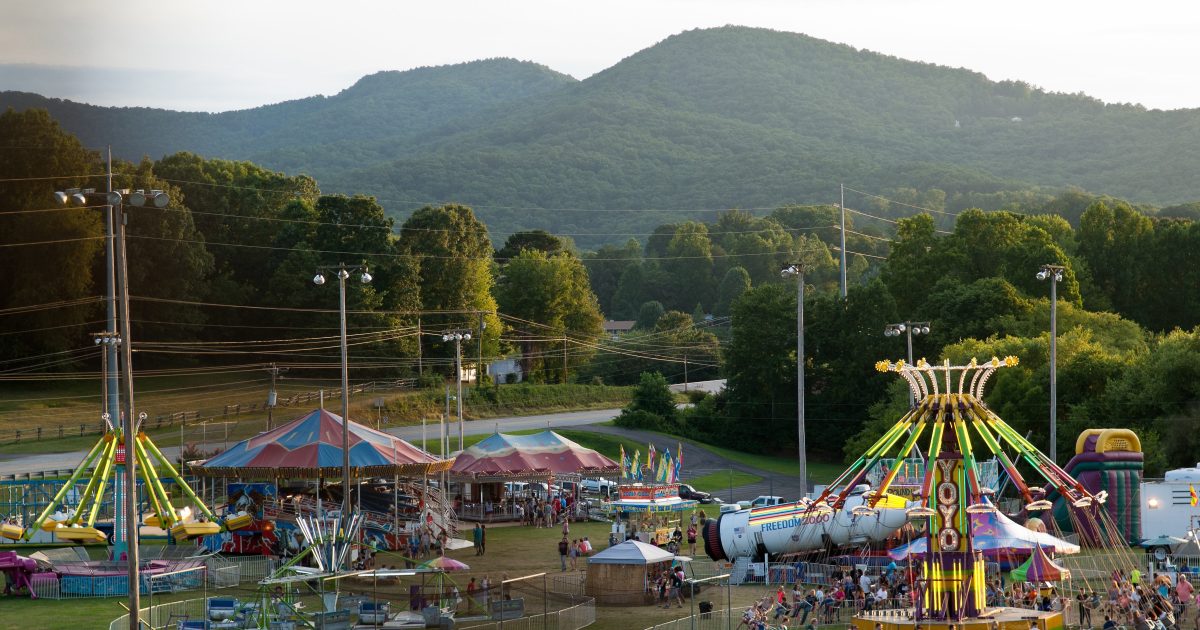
(1108, 460)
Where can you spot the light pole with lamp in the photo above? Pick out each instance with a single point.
(343, 273)
(908, 329)
(458, 336)
(1053, 273)
(126, 514)
(796, 270)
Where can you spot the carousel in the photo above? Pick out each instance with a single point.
(277, 476)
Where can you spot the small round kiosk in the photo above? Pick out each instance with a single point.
(624, 574)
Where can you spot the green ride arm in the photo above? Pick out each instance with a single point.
(154, 480)
(861, 461)
(106, 468)
(964, 447)
(89, 497)
(903, 455)
(935, 449)
(893, 436)
(101, 446)
(998, 451)
(166, 514)
(187, 491)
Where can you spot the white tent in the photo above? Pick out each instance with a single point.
(632, 552)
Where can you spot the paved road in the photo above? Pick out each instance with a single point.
(515, 423)
(697, 460)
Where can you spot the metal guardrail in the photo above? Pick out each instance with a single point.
(183, 418)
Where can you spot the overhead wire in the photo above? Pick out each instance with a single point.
(901, 203)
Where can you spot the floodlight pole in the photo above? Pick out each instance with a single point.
(343, 272)
(1053, 273)
(797, 270)
(126, 513)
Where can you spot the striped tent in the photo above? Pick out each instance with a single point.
(311, 446)
(546, 454)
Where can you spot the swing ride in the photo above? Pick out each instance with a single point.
(948, 501)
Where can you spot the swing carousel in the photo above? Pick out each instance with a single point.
(949, 590)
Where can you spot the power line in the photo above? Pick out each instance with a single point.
(38, 179)
(55, 242)
(901, 203)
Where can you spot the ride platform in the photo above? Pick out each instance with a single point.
(1000, 618)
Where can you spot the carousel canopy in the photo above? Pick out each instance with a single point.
(993, 531)
(632, 552)
(311, 446)
(544, 454)
(1040, 568)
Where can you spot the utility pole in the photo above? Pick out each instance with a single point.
(272, 397)
(564, 359)
(420, 363)
(842, 206)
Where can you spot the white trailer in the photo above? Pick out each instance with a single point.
(1166, 508)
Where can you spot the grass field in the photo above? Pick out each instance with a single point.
(512, 551)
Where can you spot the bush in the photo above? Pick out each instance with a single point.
(694, 396)
(639, 419)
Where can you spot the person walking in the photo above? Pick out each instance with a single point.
(482, 539)
(564, 547)
(691, 537)
(676, 580)
(1085, 612)
(477, 538)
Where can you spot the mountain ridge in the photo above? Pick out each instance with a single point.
(723, 117)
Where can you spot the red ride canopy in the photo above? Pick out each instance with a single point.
(543, 454)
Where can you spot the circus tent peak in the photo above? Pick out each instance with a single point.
(311, 446)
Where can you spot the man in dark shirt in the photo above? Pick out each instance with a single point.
(1109, 624)
(563, 548)
(1085, 613)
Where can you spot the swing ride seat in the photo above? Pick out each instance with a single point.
(12, 532)
(81, 534)
(153, 521)
(49, 525)
(238, 521)
(374, 612)
(184, 531)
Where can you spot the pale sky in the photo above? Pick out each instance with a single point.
(217, 55)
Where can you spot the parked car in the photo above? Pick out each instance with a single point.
(688, 492)
(730, 507)
(598, 486)
(761, 501)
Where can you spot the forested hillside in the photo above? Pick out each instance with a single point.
(221, 280)
(707, 119)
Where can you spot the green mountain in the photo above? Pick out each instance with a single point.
(707, 119)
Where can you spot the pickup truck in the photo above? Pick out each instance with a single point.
(761, 501)
(598, 486)
(688, 492)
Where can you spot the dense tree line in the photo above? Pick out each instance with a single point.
(231, 260)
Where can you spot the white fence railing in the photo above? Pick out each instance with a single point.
(574, 617)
